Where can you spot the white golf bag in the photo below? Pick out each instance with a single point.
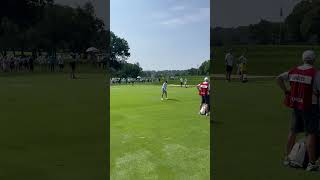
(298, 155)
(204, 109)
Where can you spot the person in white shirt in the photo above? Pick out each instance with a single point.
(164, 90)
(229, 60)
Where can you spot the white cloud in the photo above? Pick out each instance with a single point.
(193, 16)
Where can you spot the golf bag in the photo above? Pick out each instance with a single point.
(299, 156)
(204, 109)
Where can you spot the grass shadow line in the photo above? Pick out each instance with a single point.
(176, 100)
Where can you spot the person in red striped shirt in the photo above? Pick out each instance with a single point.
(302, 96)
(204, 89)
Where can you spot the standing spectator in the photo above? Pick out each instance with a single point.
(302, 97)
(31, 64)
(73, 66)
(229, 60)
(204, 89)
(60, 63)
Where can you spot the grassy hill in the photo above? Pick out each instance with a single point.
(263, 60)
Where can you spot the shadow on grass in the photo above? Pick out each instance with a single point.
(175, 100)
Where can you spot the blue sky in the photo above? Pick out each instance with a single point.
(163, 34)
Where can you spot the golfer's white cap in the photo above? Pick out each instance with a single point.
(309, 55)
(206, 79)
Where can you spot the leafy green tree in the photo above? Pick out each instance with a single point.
(23, 14)
(119, 52)
(193, 71)
(8, 35)
(119, 48)
(204, 69)
(130, 70)
(295, 19)
(310, 25)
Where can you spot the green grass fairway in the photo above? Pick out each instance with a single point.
(52, 127)
(156, 140)
(250, 132)
(263, 60)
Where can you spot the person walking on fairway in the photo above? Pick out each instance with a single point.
(181, 81)
(204, 89)
(229, 60)
(243, 67)
(302, 97)
(185, 82)
(164, 90)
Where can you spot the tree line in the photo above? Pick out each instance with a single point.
(119, 50)
(203, 70)
(43, 26)
(38, 26)
(301, 26)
